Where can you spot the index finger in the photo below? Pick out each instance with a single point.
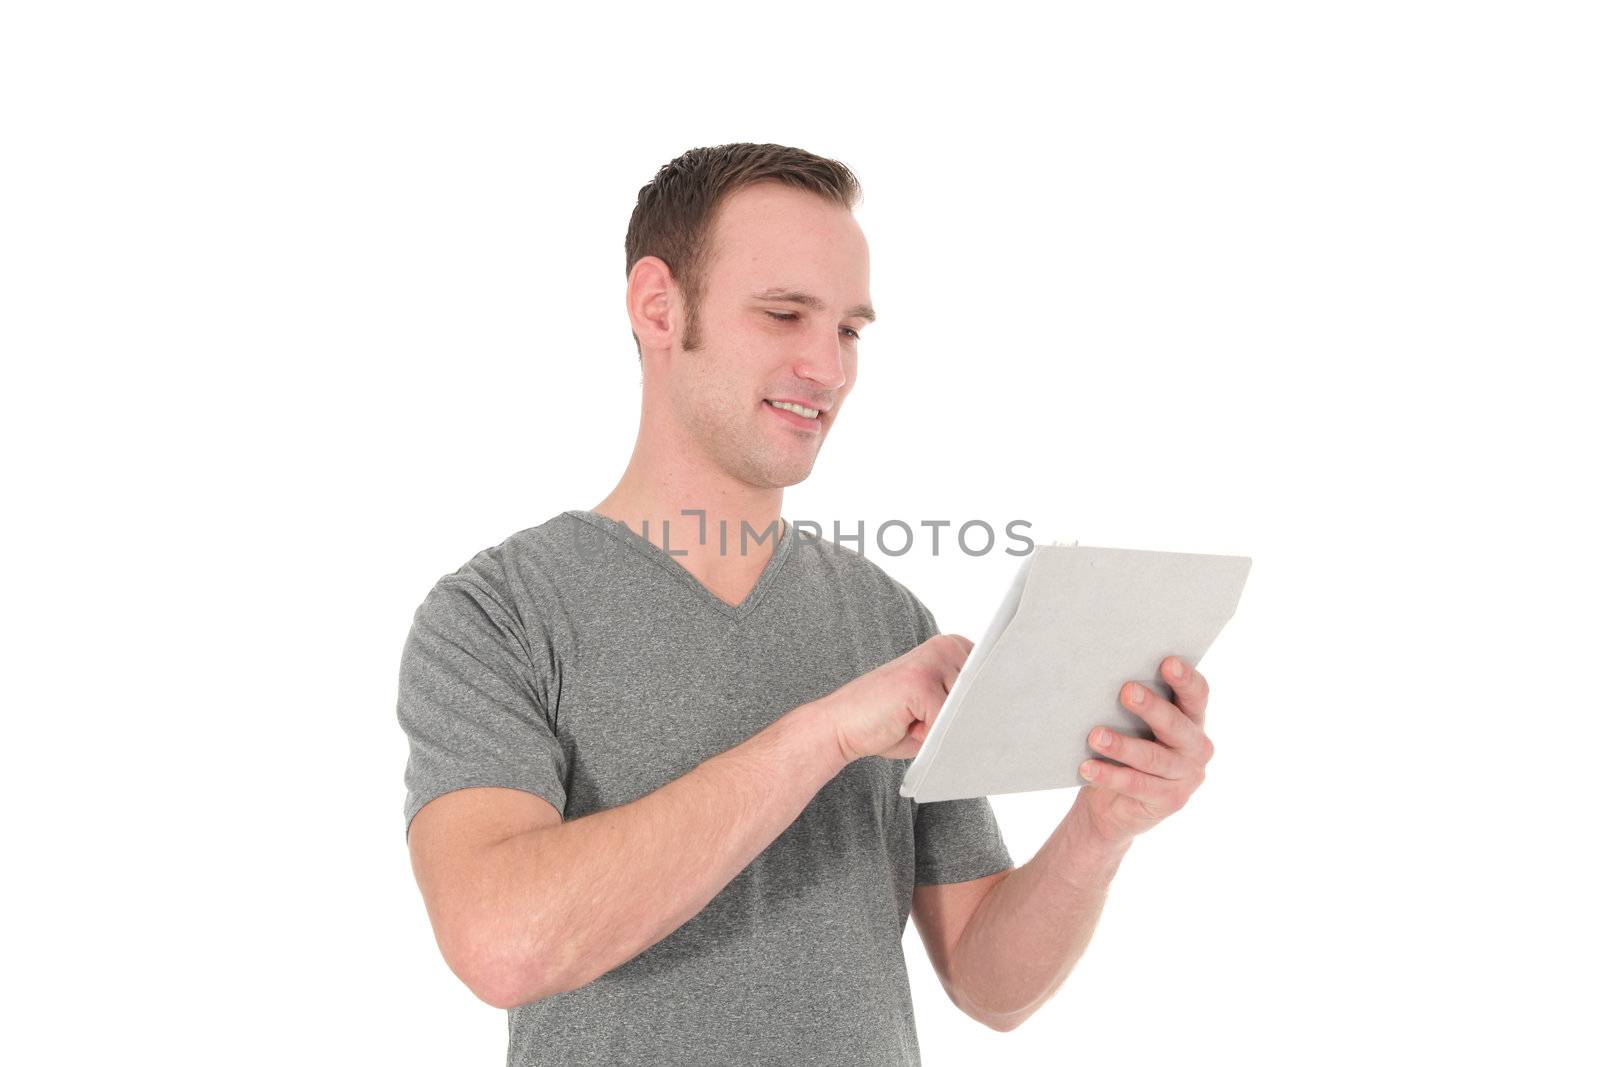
(1189, 688)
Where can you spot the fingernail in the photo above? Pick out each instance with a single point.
(1138, 694)
(1089, 769)
(1177, 669)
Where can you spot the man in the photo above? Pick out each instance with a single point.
(653, 795)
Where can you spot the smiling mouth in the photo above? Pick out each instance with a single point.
(801, 419)
(797, 409)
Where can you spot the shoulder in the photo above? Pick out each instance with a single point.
(513, 578)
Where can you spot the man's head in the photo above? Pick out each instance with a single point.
(748, 284)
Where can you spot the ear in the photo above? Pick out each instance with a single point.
(653, 303)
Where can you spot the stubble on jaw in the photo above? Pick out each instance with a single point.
(760, 461)
(729, 430)
(713, 420)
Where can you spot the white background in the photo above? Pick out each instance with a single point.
(304, 304)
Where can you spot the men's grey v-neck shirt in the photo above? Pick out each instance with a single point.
(581, 662)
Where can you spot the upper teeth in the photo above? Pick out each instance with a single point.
(809, 413)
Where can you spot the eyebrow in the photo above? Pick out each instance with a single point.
(806, 300)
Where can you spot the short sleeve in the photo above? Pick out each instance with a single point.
(955, 840)
(470, 701)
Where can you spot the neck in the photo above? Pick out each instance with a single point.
(680, 521)
(676, 506)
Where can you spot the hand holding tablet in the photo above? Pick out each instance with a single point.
(1075, 626)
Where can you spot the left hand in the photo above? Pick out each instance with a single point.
(1160, 775)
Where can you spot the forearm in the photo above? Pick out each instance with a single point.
(1033, 926)
(570, 902)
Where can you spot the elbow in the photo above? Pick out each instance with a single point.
(489, 987)
(499, 978)
(998, 1021)
(1003, 1023)
(510, 980)
(506, 984)
(500, 997)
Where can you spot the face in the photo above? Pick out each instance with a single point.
(784, 305)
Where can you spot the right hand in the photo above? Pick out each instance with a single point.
(888, 711)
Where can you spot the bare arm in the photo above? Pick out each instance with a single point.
(1031, 927)
(525, 906)
(552, 908)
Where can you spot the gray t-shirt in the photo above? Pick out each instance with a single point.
(581, 662)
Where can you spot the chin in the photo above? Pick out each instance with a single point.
(783, 476)
(781, 479)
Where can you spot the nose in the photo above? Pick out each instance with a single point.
(823, 360)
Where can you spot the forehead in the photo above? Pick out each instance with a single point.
(769, 234)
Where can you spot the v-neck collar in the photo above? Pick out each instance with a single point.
(650, 550)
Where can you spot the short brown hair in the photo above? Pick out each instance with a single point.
(677, 208)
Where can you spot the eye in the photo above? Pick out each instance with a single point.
(789, 316)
